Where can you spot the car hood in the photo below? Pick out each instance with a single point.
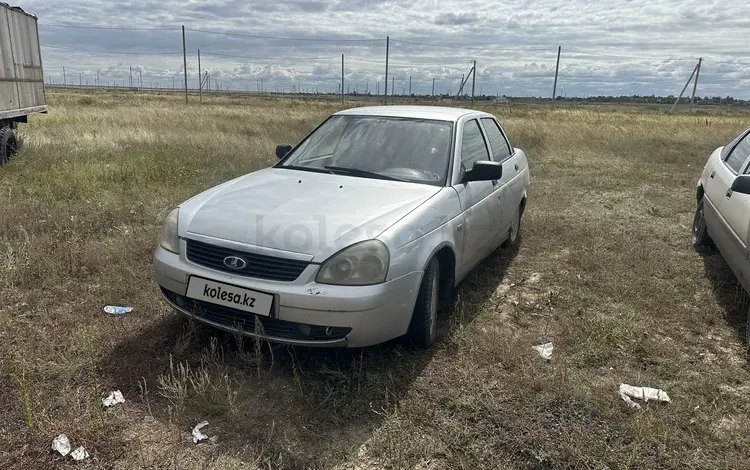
(303, 212)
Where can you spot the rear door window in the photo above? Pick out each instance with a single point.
(500, 147)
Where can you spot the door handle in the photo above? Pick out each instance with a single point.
(516, 166)
(713, 173)
(729, 193)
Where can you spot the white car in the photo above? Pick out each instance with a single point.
(353, 237)
(722, 218)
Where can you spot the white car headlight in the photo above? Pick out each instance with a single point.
(169, 239)
(361, 264)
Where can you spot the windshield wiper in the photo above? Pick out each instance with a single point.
(362, 173)
(315, 169)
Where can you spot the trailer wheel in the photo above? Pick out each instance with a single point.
(8, 144)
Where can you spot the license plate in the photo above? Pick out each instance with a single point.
(227, 295)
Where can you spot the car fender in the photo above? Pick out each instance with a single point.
(707, 168)
(414, 240)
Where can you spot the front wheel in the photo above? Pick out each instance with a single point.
(515, 228)
(423, 327)
(700, 236)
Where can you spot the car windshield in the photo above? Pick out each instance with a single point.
(415, 150)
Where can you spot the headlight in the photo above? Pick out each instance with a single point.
(361, 264)
(169, 239)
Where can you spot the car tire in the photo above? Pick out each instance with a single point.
(515, 229)
(423, 327)
(8, 144)
(700, 237)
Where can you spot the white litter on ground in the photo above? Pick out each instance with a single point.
(115, 310)
(61, 444)
(642, 393)
(113, 399)
(544, 350)
(197, 434)
(79, 454)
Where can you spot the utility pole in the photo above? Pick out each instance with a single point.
(377, 92)
(695, 84)
(393, 86)
(184, 62)
(131, 77)
(342, 79)
(140, 77)
(473, 80)
(80, 79)
(261, 85)
(409, 85)
(65, 80)
(557, 69)
(684, 88)
(433, 86)
(387, 46)
(200, 77)
(97, 78)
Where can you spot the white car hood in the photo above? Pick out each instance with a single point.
(299, 211)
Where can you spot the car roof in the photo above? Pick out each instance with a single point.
(441, 113)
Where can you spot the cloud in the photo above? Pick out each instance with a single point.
(646, 46)
(456, 19)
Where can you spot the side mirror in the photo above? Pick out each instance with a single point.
(741, 184)
(282, 150)
(484, 170)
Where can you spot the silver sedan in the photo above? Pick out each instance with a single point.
(356, 236)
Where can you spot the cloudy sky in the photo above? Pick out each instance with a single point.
(608, 47)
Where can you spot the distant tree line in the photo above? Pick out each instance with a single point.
(643, 99)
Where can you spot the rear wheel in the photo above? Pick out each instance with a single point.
(700, 237)
(8, 144)
(423, 327)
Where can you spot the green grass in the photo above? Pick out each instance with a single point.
(605, 271)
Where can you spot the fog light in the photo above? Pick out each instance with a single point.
(305, 330)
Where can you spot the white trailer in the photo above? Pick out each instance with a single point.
(21, 75)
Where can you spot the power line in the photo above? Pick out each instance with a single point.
(451, 46)
(282, 38)
(617, 56)
(109, 52)
(267, 58)
(411, 64)
(126, 28)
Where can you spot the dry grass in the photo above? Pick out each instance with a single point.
(605, 271)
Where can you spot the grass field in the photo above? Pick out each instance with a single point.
(605, 271)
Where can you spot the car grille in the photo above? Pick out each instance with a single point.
(245, 321)
(258, 266)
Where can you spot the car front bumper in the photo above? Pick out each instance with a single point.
(304, 312)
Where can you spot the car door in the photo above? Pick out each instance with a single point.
(728, 214)
(510, 187)
(739, 205)
(480, 201)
